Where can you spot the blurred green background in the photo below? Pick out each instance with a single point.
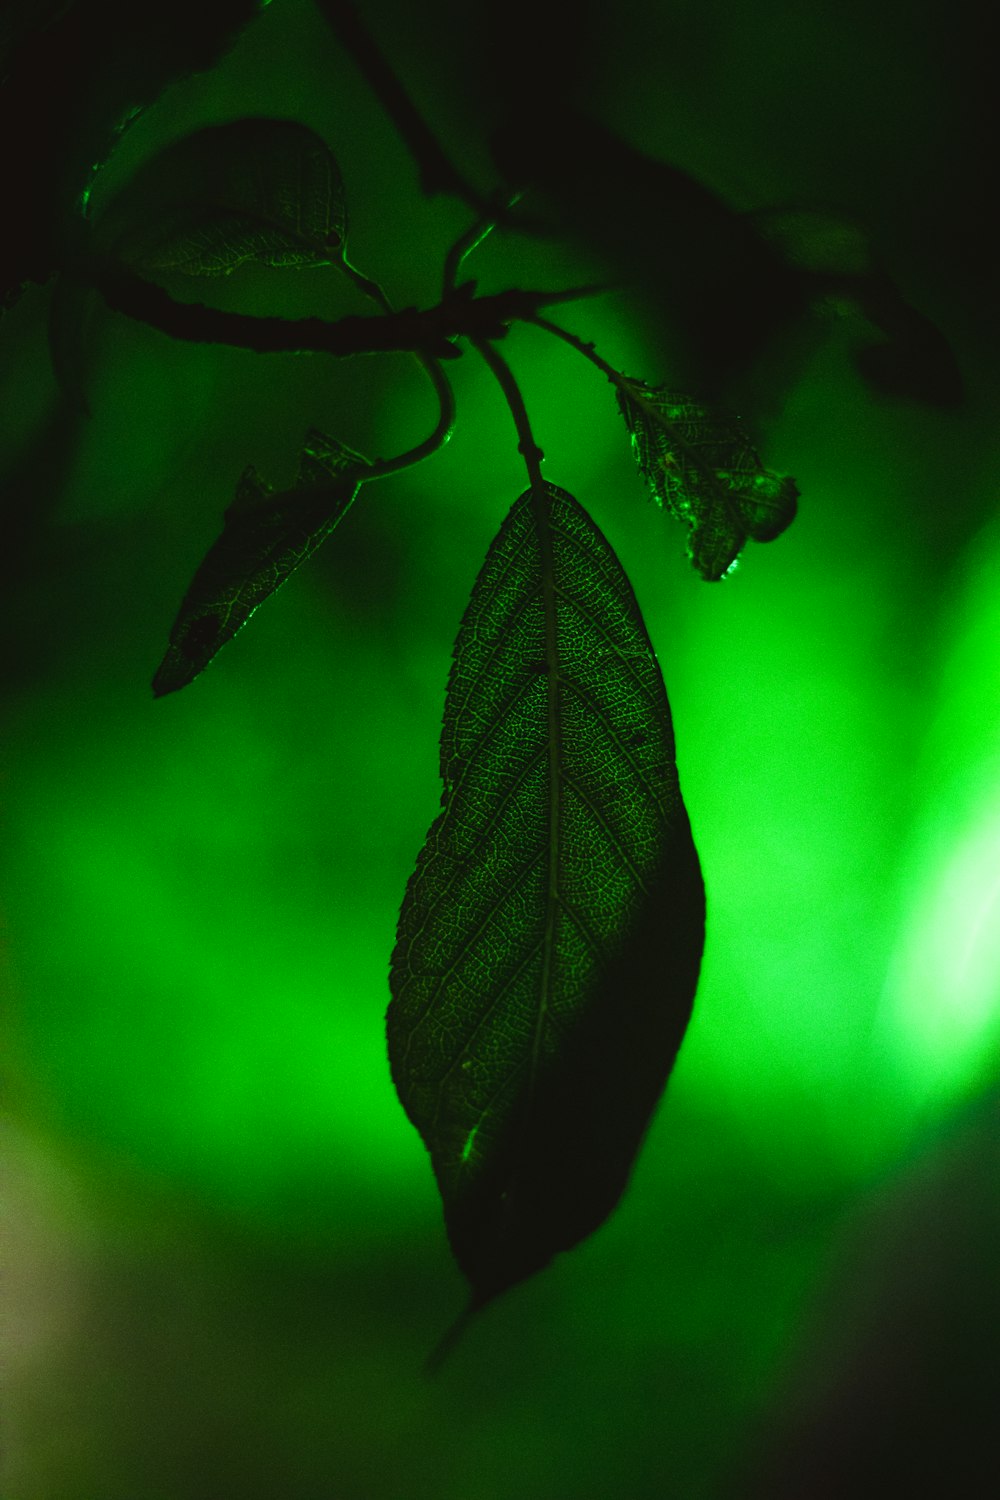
(225, 1256)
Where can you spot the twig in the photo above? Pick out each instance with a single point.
(526, 444)
(587, 350)
(435, 374)
(631, 388)
(429, 331)
(471, 239)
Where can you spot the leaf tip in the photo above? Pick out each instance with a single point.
(167, 678)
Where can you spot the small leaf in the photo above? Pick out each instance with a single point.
(265, 537)
(550, 937)
(259, 190)
(700, 467)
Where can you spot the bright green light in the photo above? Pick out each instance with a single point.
(943, 997)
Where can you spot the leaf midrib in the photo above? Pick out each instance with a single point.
(540, 510)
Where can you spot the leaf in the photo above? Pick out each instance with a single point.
(714, 292)
(700, 467)
(78, 74)
(550, 937)
(913, 359)
(259, 190)
(264, 539)
(819, 240)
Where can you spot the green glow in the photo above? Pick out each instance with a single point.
(944, 992)
(467, 1149)
(941, 1005)
(201, 894)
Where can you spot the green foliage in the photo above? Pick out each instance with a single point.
(550, 937)
(265, 537)
(701, 467)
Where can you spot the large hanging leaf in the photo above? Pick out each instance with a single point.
(700, 466)
(264, 539)
(550, 937)
(259, 190)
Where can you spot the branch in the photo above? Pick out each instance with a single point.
(631, 388)
(435, 374)
(526, 445)
(437, 173)
(428, 331)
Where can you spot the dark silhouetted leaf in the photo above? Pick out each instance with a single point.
(714, 292)
(76, 76)
(701, 467)
(550, 938)
(913, 359)
(264, 539)
(268, 191)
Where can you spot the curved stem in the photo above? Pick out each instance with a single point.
(436, 439)
(632, 389)
(471, 240)
(364, 284)
(587, 350)
(504, 377)
(462, 247)
(435, 374)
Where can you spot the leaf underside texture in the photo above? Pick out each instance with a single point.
(260, 190)
(701, 467)
(550, 937)
(265, 537)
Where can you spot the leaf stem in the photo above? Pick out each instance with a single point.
(436, 439)
(435, 374)
(471, 240)
(587, 350)
(364, 284)
(631, 388)
(504, 377)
